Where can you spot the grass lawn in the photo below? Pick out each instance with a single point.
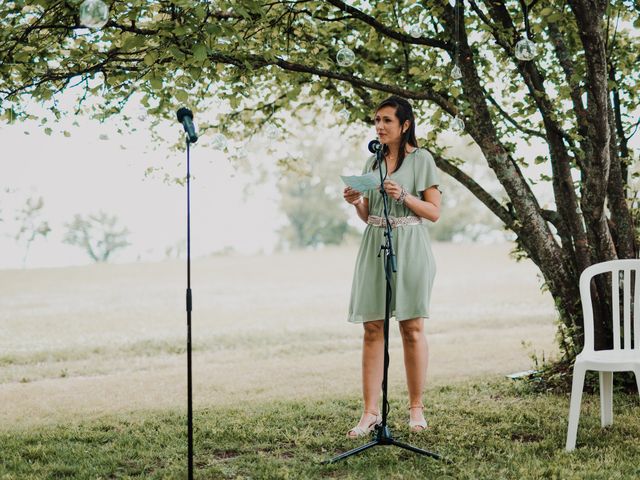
(92, 374)
(486, 430)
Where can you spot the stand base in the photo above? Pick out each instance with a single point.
(383, 437)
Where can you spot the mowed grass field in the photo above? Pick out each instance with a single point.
(93, 375)
(83, 342)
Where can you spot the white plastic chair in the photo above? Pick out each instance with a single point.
(623, 356)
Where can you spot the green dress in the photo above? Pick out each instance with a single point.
(416, 267)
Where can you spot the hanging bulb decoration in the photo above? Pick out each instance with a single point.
(415, 30)
(526, 50)
(345, 57)
(271, 131)
(344, 114)
(94, 14)
(457, 124)
(456, 73)
(219, 142)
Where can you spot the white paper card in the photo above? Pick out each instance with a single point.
(362, 183)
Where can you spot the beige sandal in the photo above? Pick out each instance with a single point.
(420, 425)
(358, 431)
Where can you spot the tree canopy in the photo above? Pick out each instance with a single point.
(270, 60)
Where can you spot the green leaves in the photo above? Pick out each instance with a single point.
(156, 83)
(186, 50)
(200, 52)
(150, 58)
(181, 95)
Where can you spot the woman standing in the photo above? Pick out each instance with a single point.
(411, 182)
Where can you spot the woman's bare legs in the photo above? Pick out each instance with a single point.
(416, 359)
(372, 370)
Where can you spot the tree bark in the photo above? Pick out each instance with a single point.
(536, 237)
(589, 17)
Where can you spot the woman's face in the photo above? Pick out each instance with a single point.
(388, 126)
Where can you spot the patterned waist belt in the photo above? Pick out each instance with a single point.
(394, 221)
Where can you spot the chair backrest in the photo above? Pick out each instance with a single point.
(621, 278)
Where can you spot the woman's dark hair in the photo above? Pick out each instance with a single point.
(404, 112)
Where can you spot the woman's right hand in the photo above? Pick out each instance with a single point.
(352, 196)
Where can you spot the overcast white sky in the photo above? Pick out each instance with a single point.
(85, 174)
(90, 171)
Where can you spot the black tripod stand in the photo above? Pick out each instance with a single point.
(382, 432)
(189, 307)
(185, 117)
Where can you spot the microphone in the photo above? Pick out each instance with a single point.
(375, 146)
(185, 117)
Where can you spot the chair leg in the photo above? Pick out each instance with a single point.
(574, 408)
(606, 398)
(637, 374)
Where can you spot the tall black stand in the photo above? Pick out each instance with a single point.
(189, 382)
(382, 434)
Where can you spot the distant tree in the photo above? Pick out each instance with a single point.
(311, 197)
(31, 225)
(316, 217)
(98, 234)
(464, 217)
(176, 250)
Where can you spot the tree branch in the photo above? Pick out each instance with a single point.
(511, 120)
(476, 189)
(588, 16)
(564, 58)
(256, 61)
(388, 32)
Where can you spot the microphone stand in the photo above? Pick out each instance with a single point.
(382, 434)
(189, 305)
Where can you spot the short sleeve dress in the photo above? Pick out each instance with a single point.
(416, 267)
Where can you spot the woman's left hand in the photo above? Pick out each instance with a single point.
(393, 189)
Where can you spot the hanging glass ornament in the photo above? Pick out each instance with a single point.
(345, 57)
(219, 142)
(526, 50)
(94, 14)
(457, 124)
(456, 73)
(415, 30)
(344, 114)
(271, 131)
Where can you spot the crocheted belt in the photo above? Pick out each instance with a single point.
(394, 221)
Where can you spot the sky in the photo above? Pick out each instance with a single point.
(96, 169)
(90, 171)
